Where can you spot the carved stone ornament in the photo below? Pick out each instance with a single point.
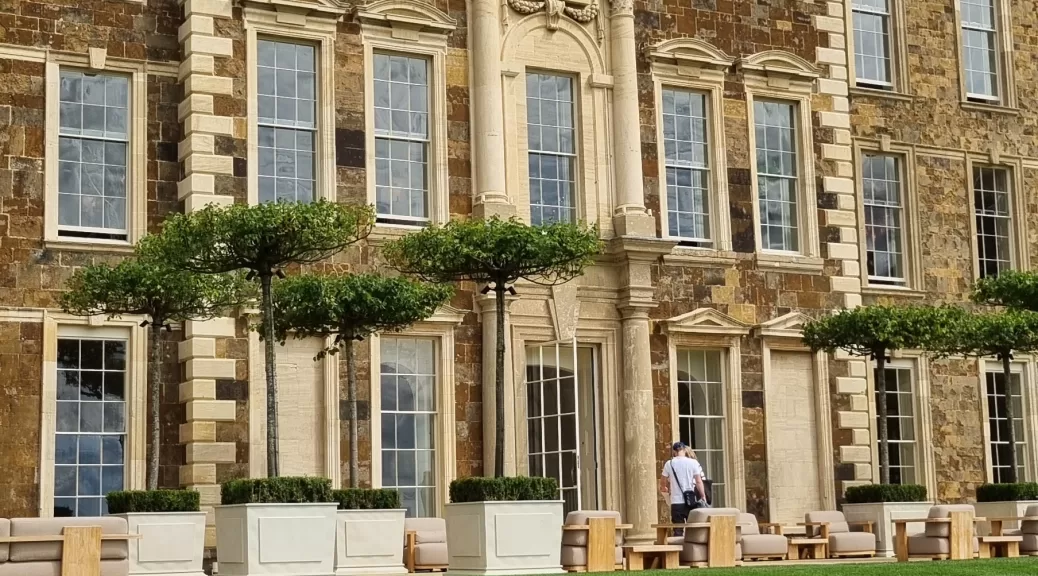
(554, 10)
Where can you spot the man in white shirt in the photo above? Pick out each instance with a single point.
(681, 474)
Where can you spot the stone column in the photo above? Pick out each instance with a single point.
(488, 313)
(639, 425)
(630, 217)
(488, 118)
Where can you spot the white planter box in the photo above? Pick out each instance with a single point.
(172, 543)
(882, 515)
(1001, 510)
(369, 542)
(504, 537)
(280, 539)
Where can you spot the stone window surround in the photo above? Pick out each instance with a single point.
(603, 335)
(316, 29)
(1025, 364)
(136, 179)
(691, 64)
(785, 77)
(424, 36)
(1007, 100)
(708, 329)
(586, 65)
(906, 154)
(785, 334)
(60, 325)
(258, 411)
(440, 328)
(919, 364)
(1017, 206)
(898, 52)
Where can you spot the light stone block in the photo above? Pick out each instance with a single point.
(846, 202)
(850, 420)
(842, 137)
(218, 8)
(840, 251)
(841, 104)
(216, 410)
(196, 348)
(197, 83)
(835, 185)
(212, 368)
(212, 45)
(839, 42)
(848, 235)
(196, 184)
(214, 328)
(198, 389)
(830, 56)
(863, 471)
(836, 10)
(861, 437)
(845, 169)
(197, 143)
(857, 368)
(199, 201)
(200, 64)
(219, 452)
(198, 474)
(208, 124)
(208, 494)
(195, 24)
(851, 301)
(847, 385)
(859, 403)
(851, 454)
(840, 218)
(828, 24)
(836, 152)
(832, 87)
(195, 104)
(848, 285)
(197, 432)
(209, 164)
(835, 119)
(850, 268)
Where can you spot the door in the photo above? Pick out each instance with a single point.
(301, 408)
(561, 420)
(792, 422)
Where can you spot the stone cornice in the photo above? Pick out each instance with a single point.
(331, 8)
(407, 13)
(638, 248)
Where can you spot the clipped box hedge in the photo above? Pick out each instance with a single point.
(367, 499)
(281, 490)
(1017, 492)
(519, 488)
(136, 501)
(873, 493)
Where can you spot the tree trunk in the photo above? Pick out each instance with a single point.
(155, 388)
(881, 409)
(351, 398)
(499, 384)
(1007, 375)
(270, 361)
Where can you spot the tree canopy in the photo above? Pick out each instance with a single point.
(352, 306)
(496, 251)
(262, 238)
(1012, 289)
(992, 334)
(871, 330)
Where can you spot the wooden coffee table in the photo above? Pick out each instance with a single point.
(1003, 546)
(667, 553)
(804, 548)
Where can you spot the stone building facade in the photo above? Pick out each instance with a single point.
(719, 145)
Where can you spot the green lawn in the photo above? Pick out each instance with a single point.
(998, 567)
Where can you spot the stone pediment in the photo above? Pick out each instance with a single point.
(303, 7)
(782, 63)
(706, 321)
(691, 51)
(407, 13)
(787, 326)
(448, 314)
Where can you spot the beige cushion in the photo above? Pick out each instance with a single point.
(427, 530)
(577, 555)
(580, 518)
(943, 530)
(748, 524)
(836, 520)
(433, 554)
(1029, 545)
(691, 552)
(5, 531)
(676, 540)
(923, 545)
(51, 551)
(1031, 526)
(764, 545)
(850, 542)
(702, 535)
(108, 568)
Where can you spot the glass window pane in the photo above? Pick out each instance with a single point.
(777, 175)
(552, 147)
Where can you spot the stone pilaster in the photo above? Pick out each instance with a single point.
(630, 217)
(201, 167)
(488, 116)
(856, 457)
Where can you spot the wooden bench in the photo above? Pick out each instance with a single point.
(1004, 546)
(81, 548)
(666, 555)
(601, 544)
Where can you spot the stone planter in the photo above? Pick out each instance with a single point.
(281, 539)
(504, 537)
(171, 544)
(369, 542)
(1001, 510)
(882, 515)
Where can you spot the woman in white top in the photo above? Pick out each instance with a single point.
(681, 474)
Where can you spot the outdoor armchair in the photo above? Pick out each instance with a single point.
(949, 533)
(425, 544)
(832, 525)
(757, 546)
(592, 541)
(711, 537)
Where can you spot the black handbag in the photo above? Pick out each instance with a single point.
(689, 496)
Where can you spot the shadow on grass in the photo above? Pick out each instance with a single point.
(997, 567)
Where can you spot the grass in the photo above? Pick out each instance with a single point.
(997, 567)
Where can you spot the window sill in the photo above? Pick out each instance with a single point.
(993, 108)
(880, 290)
(790, 262)
(686, 255)
(877, 93)
(382, 233)
(88, 246)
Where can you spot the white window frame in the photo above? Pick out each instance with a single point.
(416, 31)
(440, 328)
(574, 206)
(320, 32)
(1004, 61)
(786, 78)
(1019, 246)
(96, 62)
(60, 325)
(1025, 366)
(724, 416)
